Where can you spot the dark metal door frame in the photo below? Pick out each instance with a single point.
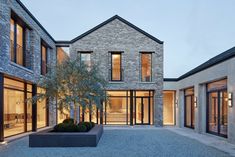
(142, 110)
(219, 103)
(192, 111)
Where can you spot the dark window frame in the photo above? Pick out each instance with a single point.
(111, 71)
(151, 67)
(43, 44)
(18, 21)
(191, 95)
(84, 52)
(25, 91)
(218, 91)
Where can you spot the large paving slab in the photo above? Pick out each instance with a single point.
(143, 142)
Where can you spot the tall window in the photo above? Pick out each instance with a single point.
(86, 59)
(17, 42)
(41, 110)
(17, 113)
(146, 67)
(43, 59)
(116, 71)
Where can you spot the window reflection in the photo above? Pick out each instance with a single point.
(16, 107)
(16, 37)
(146, 67)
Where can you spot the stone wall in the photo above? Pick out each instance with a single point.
(33, 36)
(117, 36)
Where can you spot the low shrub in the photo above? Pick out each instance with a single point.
(69, 126)
(69, 120)
(89, 125)
(66, 127)
(81, 128)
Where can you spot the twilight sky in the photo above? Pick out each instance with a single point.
(193, 31)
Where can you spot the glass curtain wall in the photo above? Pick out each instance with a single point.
(116, 110)
(16, 108)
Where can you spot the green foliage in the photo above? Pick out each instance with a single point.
(81, 128)
(87, 124)
(66, 127)
(69, 126)
(73, 84)
(69, 120)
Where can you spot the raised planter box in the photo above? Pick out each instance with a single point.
(47, 138)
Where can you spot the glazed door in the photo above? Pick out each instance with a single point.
(189, 111)
(142, 111)
(217, 113)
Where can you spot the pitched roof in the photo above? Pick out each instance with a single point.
(111, 19)
(211, 62)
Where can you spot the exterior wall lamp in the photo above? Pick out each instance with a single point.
(195, 102)
(230, 99)
(176, 103)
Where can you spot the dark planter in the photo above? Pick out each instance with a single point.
(47, 138)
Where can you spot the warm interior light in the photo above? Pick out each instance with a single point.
(195, 102)
(230, 99)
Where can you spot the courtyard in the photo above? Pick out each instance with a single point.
(127, 141)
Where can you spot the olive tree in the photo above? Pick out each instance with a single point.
(73, 84)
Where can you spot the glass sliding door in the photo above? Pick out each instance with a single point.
(122, 108)
(213, 122)
(189, 108)
(217, 108)
(17, 112)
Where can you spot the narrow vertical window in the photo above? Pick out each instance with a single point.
(146, 67)
(12, 38)
(86, 59)
(17, 42)
(43, 59)
(116, 67)
(19, 46)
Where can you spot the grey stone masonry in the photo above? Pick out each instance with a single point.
(34, 34)
(118, 36)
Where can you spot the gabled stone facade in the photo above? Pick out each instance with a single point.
(117, 36)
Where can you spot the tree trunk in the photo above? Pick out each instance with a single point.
(75, 113)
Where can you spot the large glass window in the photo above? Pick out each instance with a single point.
(41, 110)
(146, 67)
(43, 59)
(217, 108)
(117, 108)
(90, 114)
(62, 54)
(16, 108)
(17, 43)
(116, 71)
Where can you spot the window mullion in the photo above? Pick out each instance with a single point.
(15, 42)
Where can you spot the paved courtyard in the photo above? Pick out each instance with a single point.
(120, 143)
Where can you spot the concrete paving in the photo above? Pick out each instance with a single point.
(217, 142)
(123, 141)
